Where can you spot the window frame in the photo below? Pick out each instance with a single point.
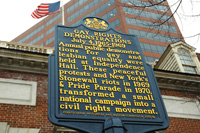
(186, 61)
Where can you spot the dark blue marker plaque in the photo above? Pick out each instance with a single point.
(99, 81)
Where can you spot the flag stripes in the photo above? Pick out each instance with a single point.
(46, 9)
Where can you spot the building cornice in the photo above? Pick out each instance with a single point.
(24, 58)
(177, 80)
(26, 47)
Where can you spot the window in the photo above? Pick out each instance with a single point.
(36, 39)
(148, 24)
(93, 13)
(153, 36)
(187, 62)
(152, 48)
(53, 19)
(77, 4)
(50, 31)
(147, 14)
(115, 23)
(150, 59)
(146, 5)
(83, 10)
(31, 34)
(110, 14)
(49, 40)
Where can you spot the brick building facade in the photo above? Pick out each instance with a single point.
(24, 90)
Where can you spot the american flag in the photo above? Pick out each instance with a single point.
(46, 9)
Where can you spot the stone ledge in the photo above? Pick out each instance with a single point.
(26, 47)
(177, 80)
(23, 61)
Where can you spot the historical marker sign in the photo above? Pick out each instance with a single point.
(98, 76)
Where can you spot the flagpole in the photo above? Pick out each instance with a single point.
(63, 13)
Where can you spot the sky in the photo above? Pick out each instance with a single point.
(16, 18)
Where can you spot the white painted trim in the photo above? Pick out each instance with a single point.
(182, 107)
(5, 128)
(18, 92)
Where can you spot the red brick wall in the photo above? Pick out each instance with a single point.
(24, 116)
(179, 93)
(182, 125)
